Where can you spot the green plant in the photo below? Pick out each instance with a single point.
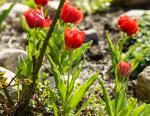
(90, 6)
(121, 105)
(50, 45)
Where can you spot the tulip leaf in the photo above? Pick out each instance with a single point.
(138, 110)
(58, 80)
(85, 105)
(75, 75)
(79, 94)
(127, 110)
(107, 99)
(6, 12)
(53, 98)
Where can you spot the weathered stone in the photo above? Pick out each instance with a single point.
(52, 7)
(142, 88)
(9, 58)
(91, 34)
(130, 2)
(136, 13)
(7, 74)
(53, 4)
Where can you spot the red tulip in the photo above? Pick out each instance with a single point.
(128, 25)
(124, 69)
(35, 18)
(70, 14)
(41, 2)
(74, 38)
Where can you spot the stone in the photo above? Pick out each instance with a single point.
(142, 87)
(8, 74)
(53, 4)
(9, 57)
(91, 34)
(136, 13)
(130, 2)
(52, 7)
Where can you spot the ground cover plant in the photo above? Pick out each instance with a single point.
(59, 43)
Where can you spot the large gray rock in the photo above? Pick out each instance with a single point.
(130, 2)
(142, 88)
(9, 58)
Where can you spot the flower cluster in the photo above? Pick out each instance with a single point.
(69, 14)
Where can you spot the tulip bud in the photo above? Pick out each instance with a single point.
(124, 69)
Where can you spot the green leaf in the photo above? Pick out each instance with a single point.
(58, 80)
(127, 110)
(79, 94)
(53, 98)
(85, 105)
(6, 12)
(78, 53)
(107, 99)
(146, 111)
(138, 110)
(74, 77)
(115, 53)
(24, 67)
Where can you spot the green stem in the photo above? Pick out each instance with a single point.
(69, 73)
(24, 100)
(107, 99)
(10, 101)
(68, 81)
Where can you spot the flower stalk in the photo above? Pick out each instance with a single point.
(10, 101)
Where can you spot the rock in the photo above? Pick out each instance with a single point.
(130, 2)
(136, 13)
(16, 10)
(9, 58)
(8, 74)
(91, 34)
(97, 52)
(53, 4)
(142, 87)
(52, 7)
